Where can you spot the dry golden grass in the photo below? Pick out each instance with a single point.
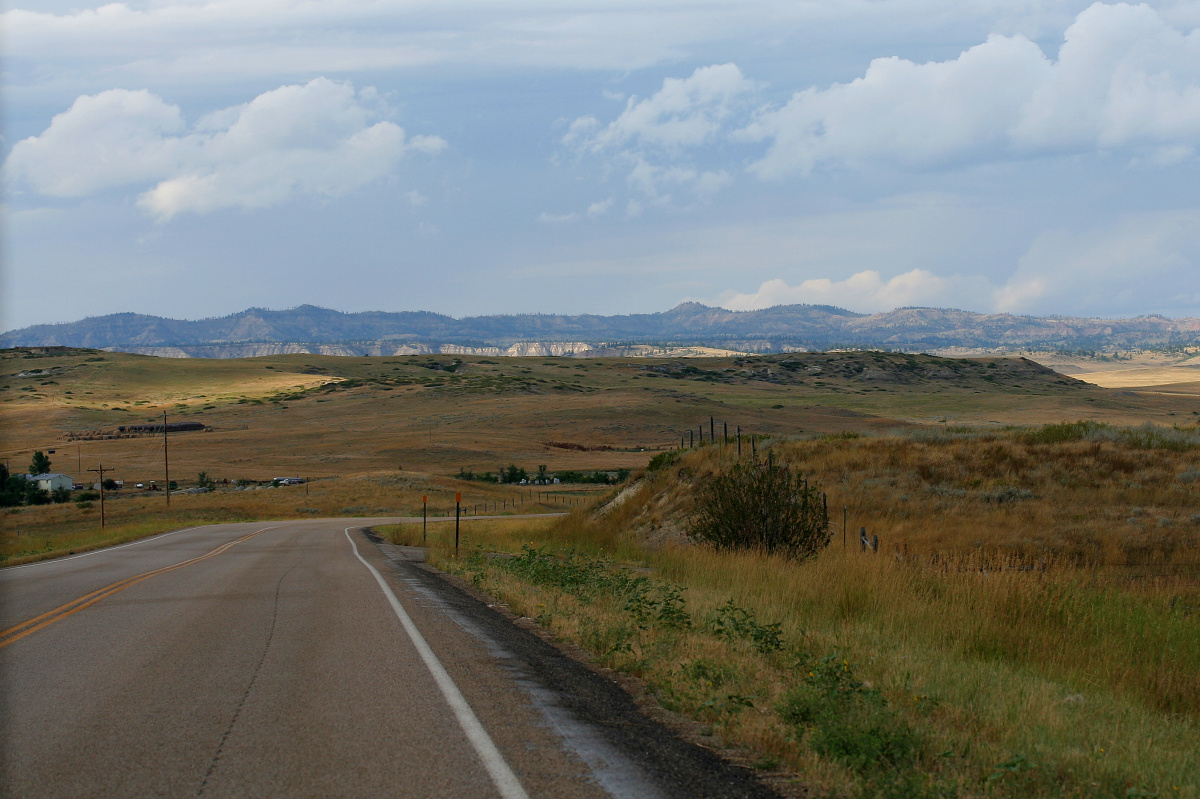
(309, 415)
(1042, 682)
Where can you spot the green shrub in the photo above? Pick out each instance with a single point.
(849, 721)
(662, 460)
(648, 602)
(758, 505)
(733, 623)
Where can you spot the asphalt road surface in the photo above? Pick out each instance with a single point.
(305, 658)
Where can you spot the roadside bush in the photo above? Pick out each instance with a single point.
(758, 505)
(733, 623)
(649, 602)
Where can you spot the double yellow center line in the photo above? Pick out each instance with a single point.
(13, 634)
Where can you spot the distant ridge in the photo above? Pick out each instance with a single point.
(308, 328)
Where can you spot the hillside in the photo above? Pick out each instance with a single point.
(312, 330)
(316, 414)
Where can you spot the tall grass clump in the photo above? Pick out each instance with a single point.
(1146, 436)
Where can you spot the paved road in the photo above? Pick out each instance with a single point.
(303, 659)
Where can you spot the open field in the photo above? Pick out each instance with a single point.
(310, 415)
(1152, 370)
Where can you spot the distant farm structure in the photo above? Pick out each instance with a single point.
(131, 431)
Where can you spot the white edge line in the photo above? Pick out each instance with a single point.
(503, 777)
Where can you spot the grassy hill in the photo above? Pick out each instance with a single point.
(309, 414)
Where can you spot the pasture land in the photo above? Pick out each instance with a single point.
(310, 415)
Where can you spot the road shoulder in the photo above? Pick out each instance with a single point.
(669, 750)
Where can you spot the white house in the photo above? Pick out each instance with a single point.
(49, 482)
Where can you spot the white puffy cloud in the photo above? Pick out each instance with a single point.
(685, 112)
(318, 138)
(1124, 79)
(650, 135)
(1149, 261)
(865, 291)
(109, 139)
(656, 183)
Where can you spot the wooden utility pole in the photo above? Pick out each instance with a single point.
(424, 516)
(166, 460)
(101, 470)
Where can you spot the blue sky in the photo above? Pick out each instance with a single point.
(192, 158)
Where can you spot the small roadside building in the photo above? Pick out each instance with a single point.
(51, 481)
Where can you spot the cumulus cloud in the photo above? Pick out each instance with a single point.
(320, 138)
(1146, 260)
(865, 291)
(683, 113)
(1124, 79)
(650, 135)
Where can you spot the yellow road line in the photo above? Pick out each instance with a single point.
(13, 634)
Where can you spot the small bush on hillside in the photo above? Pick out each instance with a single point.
(759, 505)
(662, 460)
(1063, 433)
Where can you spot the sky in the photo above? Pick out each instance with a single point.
(193, 158)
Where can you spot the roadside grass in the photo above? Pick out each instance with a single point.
(952, 670)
